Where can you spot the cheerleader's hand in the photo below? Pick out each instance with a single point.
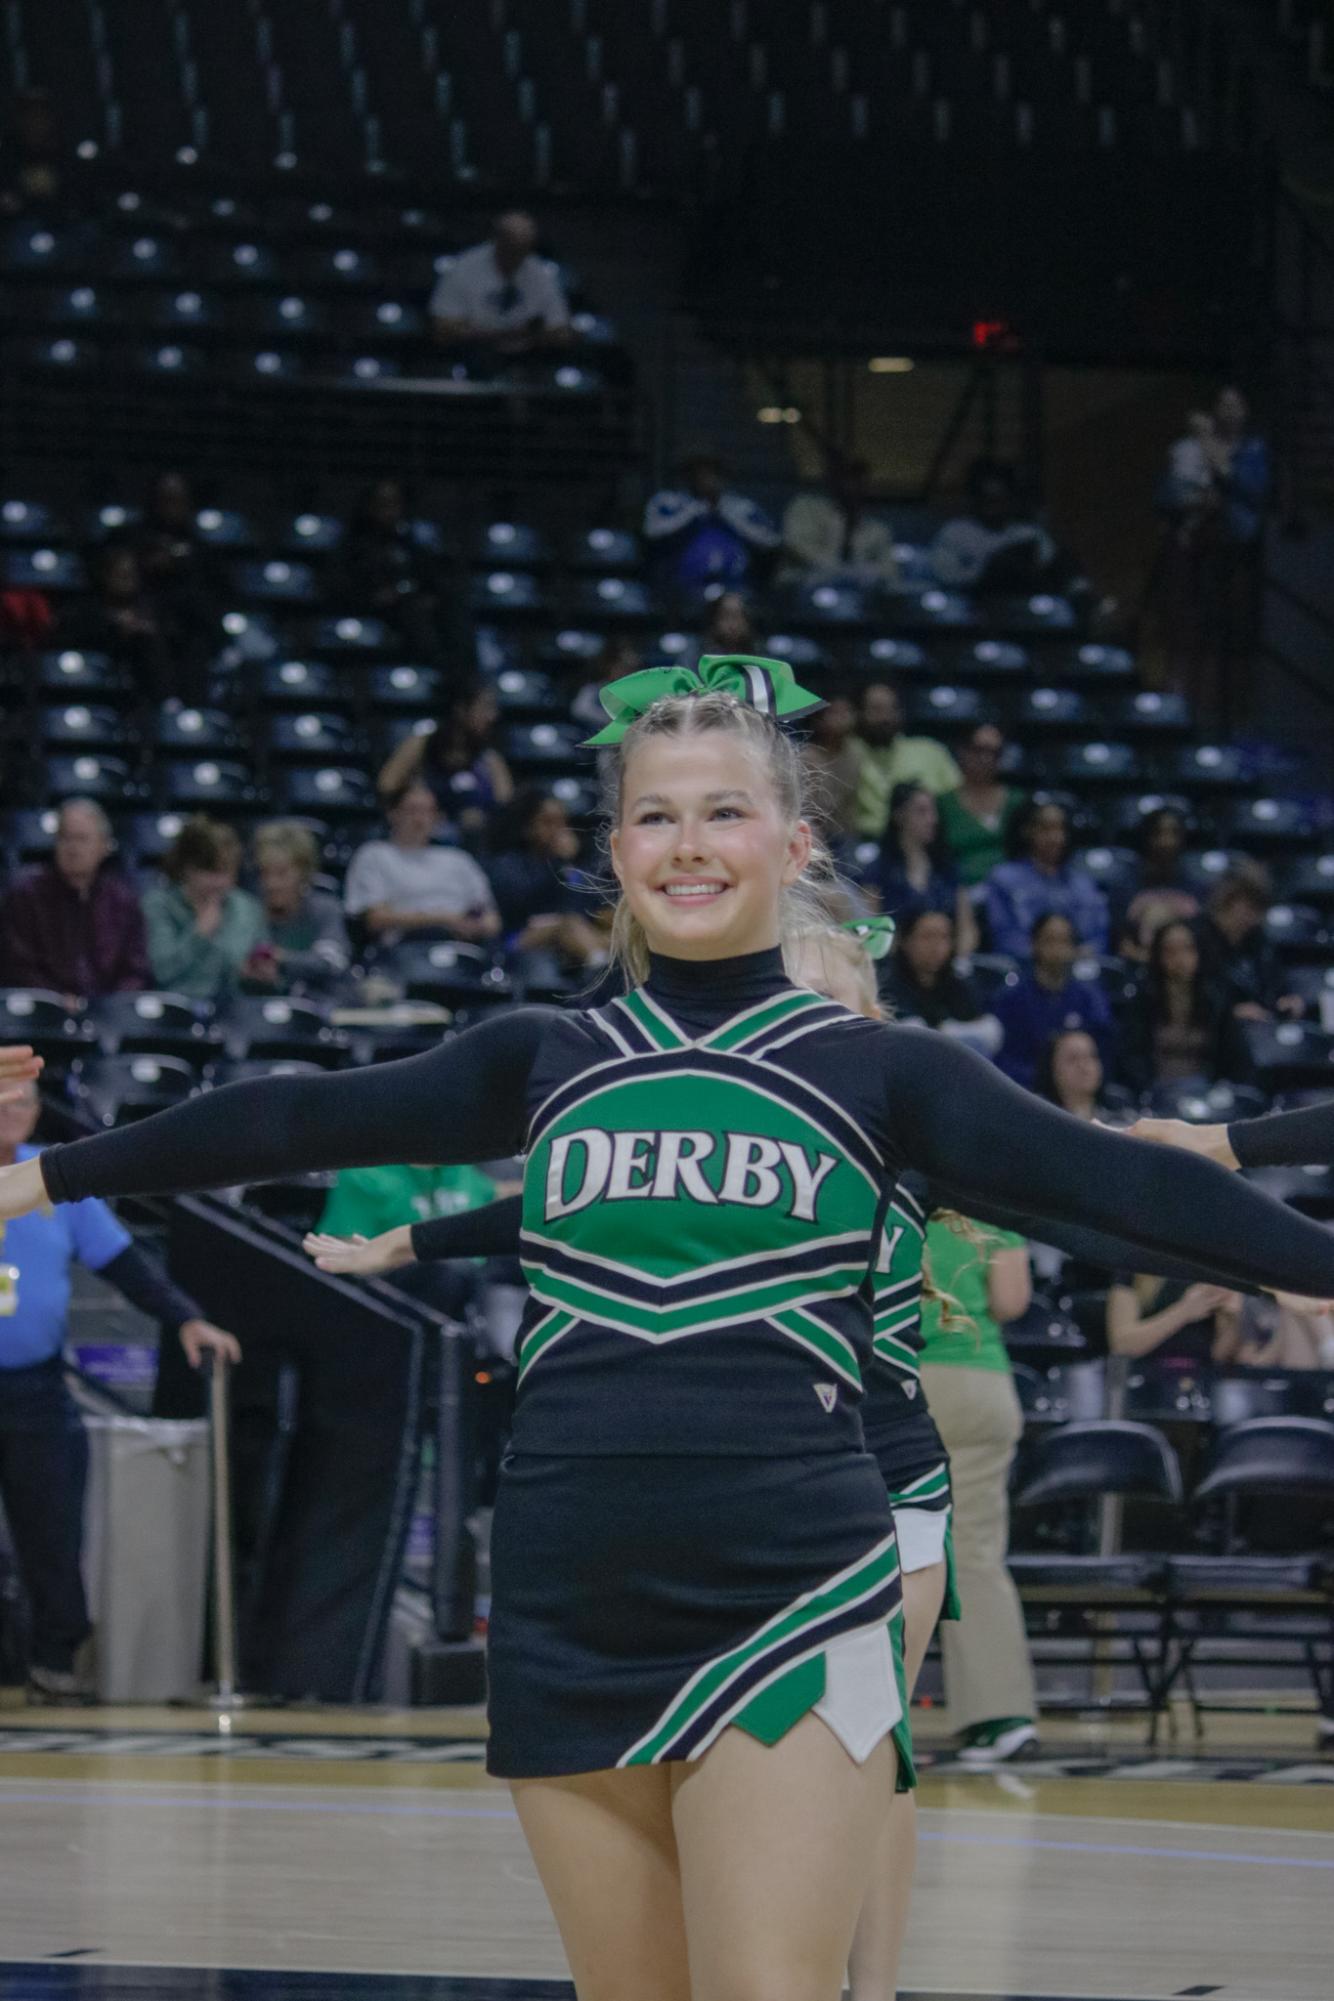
(18, 1066)
(1210, 1142)
(362, 1257)
(22, 1189)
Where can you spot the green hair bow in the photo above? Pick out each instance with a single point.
(874, 934)
(767, 685)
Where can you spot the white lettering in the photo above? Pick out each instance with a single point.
(888, 1246)
(679, 1160)
(805, 1180)
(749, 1176)
(631, 1155)
(597, 1162)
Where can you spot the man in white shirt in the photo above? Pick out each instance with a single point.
(835, 534)
(409, 884)
(500, 296)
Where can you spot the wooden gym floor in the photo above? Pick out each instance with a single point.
(321, 1856)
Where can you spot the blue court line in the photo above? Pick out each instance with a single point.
(405, 1810)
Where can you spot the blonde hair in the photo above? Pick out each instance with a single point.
(802, 909)
(287, 841)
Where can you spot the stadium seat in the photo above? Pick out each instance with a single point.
(337, 793)
(310, 536)
(351, 638)
(613, 598)
(826, 604)
(1076, 1465)
(78, 724)
(1150, 715)
(82, 677)
(313, 738)
(30, 523)
(1311, 880)
(543, 746)
(43, 569)
(1290, 1055)
(301, 684)
(1309, 1189)
(800, 651)
(408, 690)
(1052, 712)
(885, 656)
(1097, 763)
(29, 835)
(276, 581)
(208, 785)
(276, 1028)
(1045, 1335)
(254, 1070)
(154, 1024)
(1095, 665)
(43, 1021)
(1298, 930)
(108, 780)
(1219, 767)
(455, 975)
(510, 545)
(602, 550)
(147, 836)
(1271, 824)
(526, 694)
(944, 705)
(199, 732)
(114, 1090)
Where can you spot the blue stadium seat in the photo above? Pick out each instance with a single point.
(1098, 763)
(29, 835)
(1315, 985)
(208, 785)
(77, 724)
(510, 545)
(408, 690)
(30, 522)
(154, 1024)
(255, 1069)
(43, 569)
(109, 519)
(42, 1021)
(1310, 1189)
(826, 604)
(581, 798)
(990, 660)
(1094, 664)
(276, 581)
(108, 780)
(145, 256)
(300, 684)
(1271, 823)
(892, 657)
(1037, 615)
(364, 369)
(523, 693)
(804, 654)
(455, 975)
(604, 549)
(1213, 767)
(226, 528)
(1290, 1055)
(33, 246)
(276, 1028)
(613, 598)
(287, 317)
(1297, 929)
(197, 732)
(943, 706)
(380, 320)
(248, 263)
(185, 310)
(543, 746)
(335, 793)
(1126, 812)
(1052, 712)
(505, 593)
(115, 1090)
(1151, 714)
(1311, 880)
(311, 535)
(351, 638)
(147, 836)
(932, 610)
(170, 358)
(1113, 869)
(668, 647)
(311, 737)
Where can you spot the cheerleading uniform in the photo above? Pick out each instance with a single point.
(689, 1533)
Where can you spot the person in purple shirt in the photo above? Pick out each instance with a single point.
(1047, 1000)
(1043, 878)
(74, 924)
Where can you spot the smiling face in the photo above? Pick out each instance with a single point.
(703, 850)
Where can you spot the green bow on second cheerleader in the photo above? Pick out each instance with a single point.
(875, 935)
(767, 685)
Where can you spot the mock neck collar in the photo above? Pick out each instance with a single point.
(716, 986)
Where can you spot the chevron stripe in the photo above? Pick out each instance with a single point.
(541, 1336)
(722, 1309)
(759, 1020)
(823, 1341)
(657, 1025)
(865, 1594)
(930, 1487)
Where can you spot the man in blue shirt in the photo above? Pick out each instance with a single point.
(1048, 999)
(43, 1451)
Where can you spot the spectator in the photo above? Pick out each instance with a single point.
(501, 298)
(976, 817)
(121, 619)
(834, 536)
(202, 929)
(619, 655)
(43, 1453)
(994, 547)
(366, 1201)
(1160, 892)
(32, 155)
(1181, 1326)
(920, 982)
(727, 626)
(1042, 878)
(703, 533)
(74, 925)
(457, 760)
(833, 766)
(1180, 1028)
(983, 1275)
(914, 870)
(1245, 472)
(545, 905)
(1048, 999)
(1237, 954)
(1070, 1074)
(386, 570)
(887, 758)
(410, 883)
(304, 948)
(1277, 1335)
(180, 574)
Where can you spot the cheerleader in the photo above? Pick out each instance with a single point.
(693, 1689)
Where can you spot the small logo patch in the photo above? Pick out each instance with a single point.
(910, 1390)
(828, 1395)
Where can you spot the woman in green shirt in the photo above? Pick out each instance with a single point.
(201, 927)
(981, 1279)
(975, 817)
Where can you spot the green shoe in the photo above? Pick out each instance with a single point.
(998, 1742)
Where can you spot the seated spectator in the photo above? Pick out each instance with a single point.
(1047, 999)
(1276, 1334)
(73, 925)
(180, 573)
(1160, 891)
(995, 547)
(1182, 1327)
(1180, 1028)
(412, 883)
(727, 626)
(545, 905)
(305, 947)
(886, 758)
(1042, 878)
(703, 533)
(619, 655)
(1237, 954)
(366, 1201)
(914, 871)
(202, 929)
(920, 982)
(834, 535)
(386, 570)
(976, 817)
(1070, 1074)
(121, 619)
(500, 298)
(832, 770)
(457, 760)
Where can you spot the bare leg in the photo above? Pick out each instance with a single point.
(606, 1853)
(873, 1964)
(775, 1848)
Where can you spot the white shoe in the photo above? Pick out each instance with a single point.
(1020, 1740)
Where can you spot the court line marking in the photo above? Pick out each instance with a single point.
(118, 1796)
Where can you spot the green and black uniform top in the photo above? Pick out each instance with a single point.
(709, 1161)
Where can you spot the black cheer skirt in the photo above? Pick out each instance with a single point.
(642, 1605)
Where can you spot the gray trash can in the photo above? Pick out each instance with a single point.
(146, 1555)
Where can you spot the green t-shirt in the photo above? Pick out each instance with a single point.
(366, 1201)
(918, 760)
(975, 846)
(959, 1268)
